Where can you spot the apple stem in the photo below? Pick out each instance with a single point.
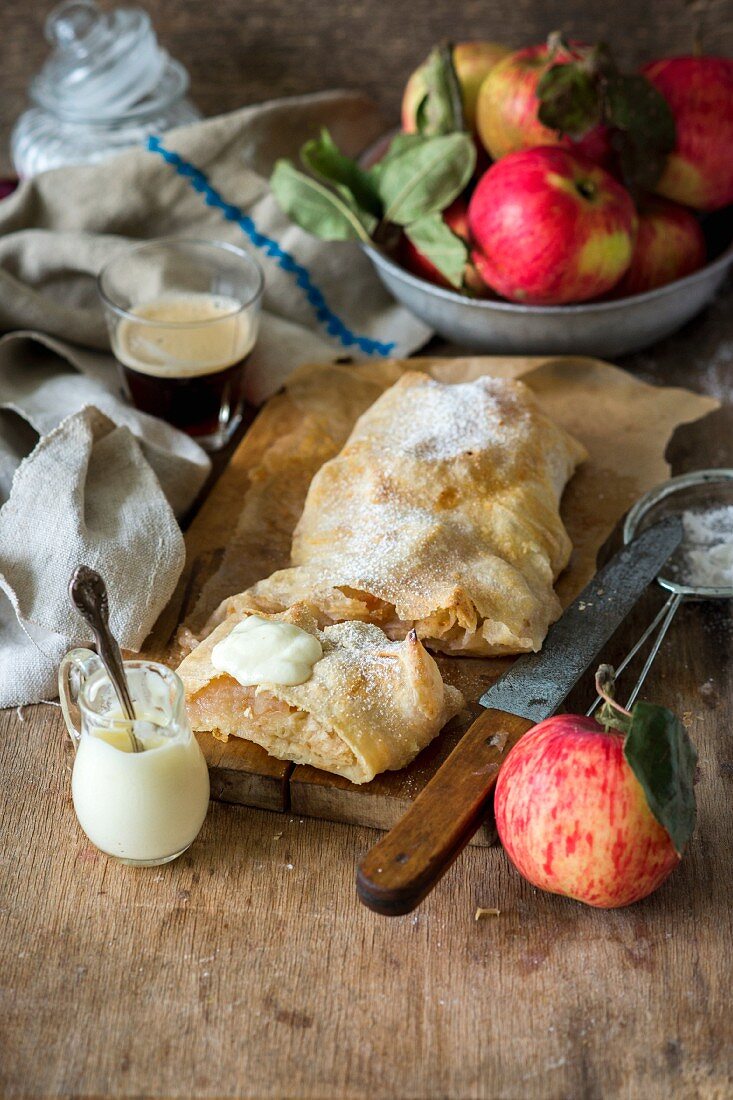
(605, 685)
(555, 44)
(698, 10)
(454, 85)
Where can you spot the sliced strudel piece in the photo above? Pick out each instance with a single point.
(369, 705)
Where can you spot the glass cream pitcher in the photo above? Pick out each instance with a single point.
(140, 789)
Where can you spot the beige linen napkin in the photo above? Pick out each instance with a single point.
(84, 478)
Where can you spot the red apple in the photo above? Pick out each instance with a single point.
(550, 227)
(472, 61)
(669, 245)
(456, 218)
(574, 819)
(699, 91)
(507, 106)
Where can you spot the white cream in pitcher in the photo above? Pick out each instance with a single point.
(141, 799)
(140, 806)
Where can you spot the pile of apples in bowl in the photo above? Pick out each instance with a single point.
(542, 200)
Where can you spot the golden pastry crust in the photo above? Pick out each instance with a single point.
(370, 706)
(441, 513)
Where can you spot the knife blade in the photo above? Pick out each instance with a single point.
(535, 685)
(405, 865)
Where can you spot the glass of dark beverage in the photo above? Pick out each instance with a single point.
(182, 317)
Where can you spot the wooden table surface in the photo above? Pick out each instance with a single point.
(248, 967)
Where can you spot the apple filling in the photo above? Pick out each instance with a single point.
(229, 710)
(450, 631)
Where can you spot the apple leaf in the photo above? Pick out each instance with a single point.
(425, 178)
(643, 127)
(317, 209)
(400, 143)
(660, 754)
(440, 111)
(441, 246)
(569, 100)
(585, 88)
(663, 758)
(418, 177)
(323, 159)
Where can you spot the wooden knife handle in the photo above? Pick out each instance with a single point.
(404, 866)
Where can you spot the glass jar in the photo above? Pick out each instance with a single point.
(140, 789)
(106, 86)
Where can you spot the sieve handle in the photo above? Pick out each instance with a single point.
(661, 624)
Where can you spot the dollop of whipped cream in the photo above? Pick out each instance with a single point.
(267, 651)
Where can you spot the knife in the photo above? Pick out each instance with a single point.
(397, 873)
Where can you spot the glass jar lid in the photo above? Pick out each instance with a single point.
(104, 65)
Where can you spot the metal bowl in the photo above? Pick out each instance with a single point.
(593, 328)
(608, 328)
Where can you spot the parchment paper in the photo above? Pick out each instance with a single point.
(625, 424)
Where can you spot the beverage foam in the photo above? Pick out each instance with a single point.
(184, 335)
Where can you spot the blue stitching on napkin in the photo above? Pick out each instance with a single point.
(333, 324)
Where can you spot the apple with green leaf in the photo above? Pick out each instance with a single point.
(471, 63)
(508, 106)
(403, 195)
(570, 94)
(599, 811)
(455, 219)
(699, 92)
(549, 227)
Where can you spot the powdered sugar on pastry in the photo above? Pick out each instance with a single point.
(449, 421)
(441, 513)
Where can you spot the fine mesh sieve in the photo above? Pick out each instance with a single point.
(699, 493)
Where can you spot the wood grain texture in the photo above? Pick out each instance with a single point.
(248, 967)
(381, 803)
(246, 53)
(240, 771)
(406, 864)
(240, 536)
(246, 778)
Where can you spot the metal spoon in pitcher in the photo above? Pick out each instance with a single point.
(88, 594)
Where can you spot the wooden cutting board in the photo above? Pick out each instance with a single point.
(242, 533)
(243, 773)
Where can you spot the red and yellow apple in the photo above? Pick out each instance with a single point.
(472, 61)
(550, 227)
(507, 109)
(699, 91)
(455, 217)
(574, 819)
(669, 245)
